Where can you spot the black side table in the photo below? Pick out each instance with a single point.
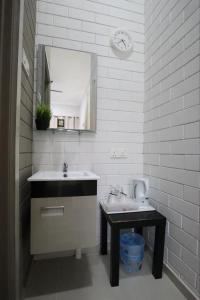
(136, 220)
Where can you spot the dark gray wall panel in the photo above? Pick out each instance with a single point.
(26, 119)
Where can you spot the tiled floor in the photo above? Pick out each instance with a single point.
(87, 279)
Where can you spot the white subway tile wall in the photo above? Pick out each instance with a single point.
(172, 128)
(87, 26)
(169, 150)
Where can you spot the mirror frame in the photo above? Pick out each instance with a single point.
(40, 86)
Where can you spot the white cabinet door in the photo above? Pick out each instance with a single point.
(60, 224)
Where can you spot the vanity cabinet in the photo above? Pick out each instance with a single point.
(63, 223)
(63, 215)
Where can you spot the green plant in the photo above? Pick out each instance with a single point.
(43, 117)
(43, 112)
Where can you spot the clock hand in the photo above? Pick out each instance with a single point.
(123, 42)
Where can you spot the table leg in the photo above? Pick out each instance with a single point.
(114, 256)
(103, 235)
(158, 251)
(138, 230)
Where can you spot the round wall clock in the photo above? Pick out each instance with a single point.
(122, 41)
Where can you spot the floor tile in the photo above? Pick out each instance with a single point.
(88, 279)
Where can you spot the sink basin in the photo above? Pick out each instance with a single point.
(59, 176)
(126, 206)
(79, 174)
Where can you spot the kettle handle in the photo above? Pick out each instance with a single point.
(144, 184)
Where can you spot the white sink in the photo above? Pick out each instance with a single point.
(126, 206)
(59, 176)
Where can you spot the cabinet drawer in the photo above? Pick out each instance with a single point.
(60, 224)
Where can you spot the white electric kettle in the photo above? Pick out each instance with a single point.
(140, 188)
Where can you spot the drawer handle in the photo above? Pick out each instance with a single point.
(52, 211)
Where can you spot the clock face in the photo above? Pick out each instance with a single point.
(122, 41)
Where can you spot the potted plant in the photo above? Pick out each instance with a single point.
(43, 116)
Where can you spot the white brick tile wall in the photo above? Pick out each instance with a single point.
(190, 260)
(183, 269)
(169, 150)
(191, 227)
(184, 238)
(184, 208)
(172, 115)
(87, 26)
(173, 246)
(191, 194)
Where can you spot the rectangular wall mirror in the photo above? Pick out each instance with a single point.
(66, 80)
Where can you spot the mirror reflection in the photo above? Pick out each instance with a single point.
(67, 82)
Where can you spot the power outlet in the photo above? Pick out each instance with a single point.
(113, 153)
(118, 153)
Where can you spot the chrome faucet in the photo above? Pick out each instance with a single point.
(117, 192)
(65, 169)
(122, 192)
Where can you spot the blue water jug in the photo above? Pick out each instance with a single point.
(132, 251)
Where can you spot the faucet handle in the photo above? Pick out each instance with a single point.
(122, 192)
(111, 189)
(118, 189)
(65, 167)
